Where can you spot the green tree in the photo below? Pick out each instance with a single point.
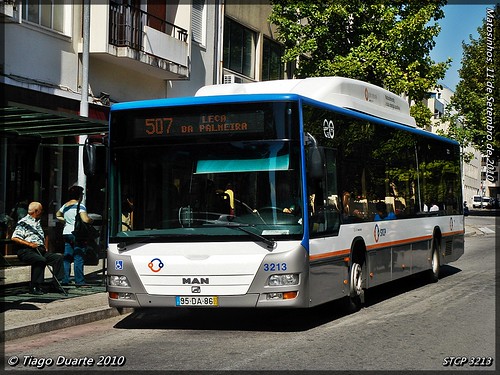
(385, 42)
(471, 113)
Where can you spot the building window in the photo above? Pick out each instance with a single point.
(48, 13)
(272, 65)
(198, 18)
(239, 48)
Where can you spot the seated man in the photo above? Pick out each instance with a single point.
(382, 212)
(29, 234)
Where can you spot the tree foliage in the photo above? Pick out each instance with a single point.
(473, 107)
(384, 42)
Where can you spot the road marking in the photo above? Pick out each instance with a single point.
(486, 230)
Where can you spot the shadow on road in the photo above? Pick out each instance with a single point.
(267, 320)
(398, 287)
(233, 319)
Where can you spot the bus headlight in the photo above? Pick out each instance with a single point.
(283, 279)
(115, 280)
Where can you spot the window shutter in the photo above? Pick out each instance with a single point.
(197, 21)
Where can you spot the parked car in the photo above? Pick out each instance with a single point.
(493, 203)
(487, 202)
(477, 201)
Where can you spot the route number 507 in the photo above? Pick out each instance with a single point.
(158, 126)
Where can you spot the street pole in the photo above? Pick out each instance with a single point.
(84, 103)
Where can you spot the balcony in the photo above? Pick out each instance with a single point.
(142, 42)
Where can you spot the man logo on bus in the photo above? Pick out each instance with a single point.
(328, 128)
(154, 268)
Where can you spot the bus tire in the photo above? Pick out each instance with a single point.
(435, 263)
(356, 293)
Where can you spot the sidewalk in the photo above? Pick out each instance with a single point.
(24, 314)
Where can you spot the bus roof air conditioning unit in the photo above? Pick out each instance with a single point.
(231, 78)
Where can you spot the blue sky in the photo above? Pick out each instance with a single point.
(461, 20)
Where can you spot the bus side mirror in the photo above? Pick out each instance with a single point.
(316, 163)
(315, 158)
(89, 158)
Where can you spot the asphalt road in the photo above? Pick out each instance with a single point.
(449, 325)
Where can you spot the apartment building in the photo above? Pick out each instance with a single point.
(136, 50)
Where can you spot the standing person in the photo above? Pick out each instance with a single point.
(20, 210)
(29, 234)
(127, 214)
(73, 250)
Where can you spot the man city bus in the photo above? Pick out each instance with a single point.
(287, 193)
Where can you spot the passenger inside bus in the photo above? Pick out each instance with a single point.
(286, 200)
(382, 212)
(225, 200)
(349, 214)
(127, 213)
(230, 196)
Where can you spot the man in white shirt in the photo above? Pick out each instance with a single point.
(29, 234)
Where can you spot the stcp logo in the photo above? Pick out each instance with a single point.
(378, 232)
(328, 129)
(155, 265)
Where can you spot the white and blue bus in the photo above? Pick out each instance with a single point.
(287, 193)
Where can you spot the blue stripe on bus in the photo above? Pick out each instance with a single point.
(305, 199)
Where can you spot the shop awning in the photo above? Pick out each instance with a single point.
(23, 120)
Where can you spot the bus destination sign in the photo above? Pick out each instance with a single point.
(203, 124)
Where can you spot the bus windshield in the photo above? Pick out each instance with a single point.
(207, 186)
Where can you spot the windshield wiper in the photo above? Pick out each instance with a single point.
(133, 241)
(270, 244)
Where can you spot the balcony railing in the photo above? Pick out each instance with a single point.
(127, 26)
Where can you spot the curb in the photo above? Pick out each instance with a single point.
(70, 320)
(470, 233)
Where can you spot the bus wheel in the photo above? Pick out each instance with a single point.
(356, 292)
(435, 264)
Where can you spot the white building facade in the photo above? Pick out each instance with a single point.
(138, 49)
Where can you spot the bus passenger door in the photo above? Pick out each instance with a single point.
(324, 207)
(326, 273)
